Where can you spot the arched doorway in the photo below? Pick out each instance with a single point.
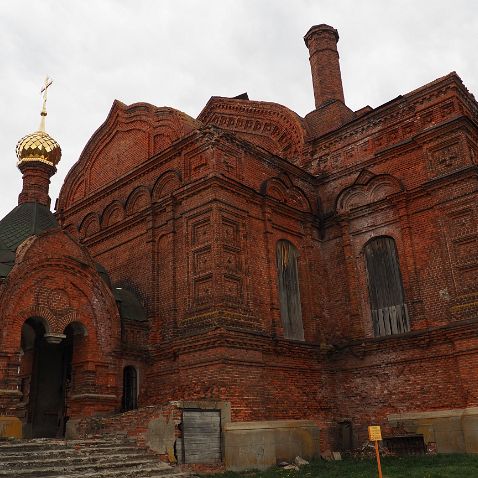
(130, 388)
(45, 374)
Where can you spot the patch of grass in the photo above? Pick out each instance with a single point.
(437, 466)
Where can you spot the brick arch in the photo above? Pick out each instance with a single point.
(36, 313)
(166, 184)
(269, 125)
(89, 225)
(287, 239)
(71, 229)
(78, 327)
(275, 188)
(129, 136)
(78, 190)
(367, 189)
(112, 214)
(55, 279)
(283, 190)
(139, 199)
(374, 238)
(88, 315)
(51, 323)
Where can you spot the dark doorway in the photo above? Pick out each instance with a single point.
(48, 376)
(345, 436)
(130, 388)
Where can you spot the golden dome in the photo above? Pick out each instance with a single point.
(38, 146)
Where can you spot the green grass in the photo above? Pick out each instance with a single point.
(437, 466)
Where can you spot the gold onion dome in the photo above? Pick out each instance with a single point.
(39, 146)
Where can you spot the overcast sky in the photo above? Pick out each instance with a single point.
(179, 53)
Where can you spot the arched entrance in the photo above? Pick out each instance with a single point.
(46, 373)
(130, 388)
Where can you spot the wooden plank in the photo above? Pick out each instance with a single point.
(202, 436)
(385, 287)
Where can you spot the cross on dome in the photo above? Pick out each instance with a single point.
(39, 147)
(44, 90)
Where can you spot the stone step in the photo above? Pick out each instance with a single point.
(111, 457)
(73, 458)
(129, 472)
(69, 452)
(133, 473)
(91, 466)
(42, 444)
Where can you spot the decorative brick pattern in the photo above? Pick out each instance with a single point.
(187, 213)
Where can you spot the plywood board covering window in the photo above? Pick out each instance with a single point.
(387, 303)
(289, 294)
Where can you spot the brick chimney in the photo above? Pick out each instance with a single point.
(321, 40)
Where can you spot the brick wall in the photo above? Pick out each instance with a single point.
(187, 214)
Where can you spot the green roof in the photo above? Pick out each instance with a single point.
(129, 306)
(27, 219)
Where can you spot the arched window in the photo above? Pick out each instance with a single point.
(289, 295)
(387, 302)
(130, 388)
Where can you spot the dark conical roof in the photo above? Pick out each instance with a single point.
(27, 219)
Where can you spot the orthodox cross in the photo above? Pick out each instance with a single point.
(44, 90)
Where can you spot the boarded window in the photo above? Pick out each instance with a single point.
(130, 388)
(201, 436)
(405, 445)
(289, 295)
(389, 311)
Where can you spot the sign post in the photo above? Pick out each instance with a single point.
(375, 434)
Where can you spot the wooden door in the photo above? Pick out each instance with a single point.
(202, 436)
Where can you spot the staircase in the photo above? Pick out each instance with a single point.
(93, 458)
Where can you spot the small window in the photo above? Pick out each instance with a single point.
(289, 294)
(130, 388)
(387, 303)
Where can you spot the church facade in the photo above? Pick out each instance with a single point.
(322, 268)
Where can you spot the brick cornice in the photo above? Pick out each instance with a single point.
(398, 109)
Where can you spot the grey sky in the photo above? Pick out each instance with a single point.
(179, 53)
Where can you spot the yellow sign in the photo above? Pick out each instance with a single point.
(374, 433)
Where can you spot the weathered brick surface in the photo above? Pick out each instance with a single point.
(187, 213)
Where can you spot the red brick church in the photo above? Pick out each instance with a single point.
(252, 266)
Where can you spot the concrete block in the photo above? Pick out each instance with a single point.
(259, 445)
(160, 436)
(71, 429)
(453, 431)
